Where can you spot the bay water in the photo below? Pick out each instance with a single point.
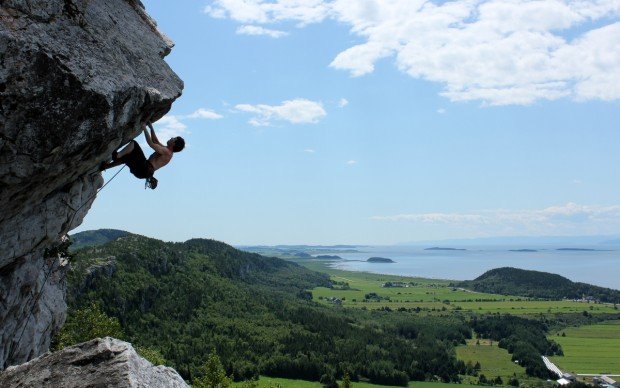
(600, 266)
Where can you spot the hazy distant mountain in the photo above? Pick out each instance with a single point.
(564, 241)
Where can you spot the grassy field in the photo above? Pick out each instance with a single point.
(268, 382)
(432, 295)
(590, 349)
(494, 360)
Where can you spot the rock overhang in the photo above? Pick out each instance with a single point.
(77, 80)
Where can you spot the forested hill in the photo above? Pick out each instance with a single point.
(187, 299)
(95, 237)
(535, 284)
(155, 261)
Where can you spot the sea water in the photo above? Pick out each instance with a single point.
(600, 267)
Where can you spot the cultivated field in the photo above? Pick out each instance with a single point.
(268, 382)
(433, 296)
(590, 349)
(494, 361)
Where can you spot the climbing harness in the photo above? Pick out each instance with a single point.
(38, 295)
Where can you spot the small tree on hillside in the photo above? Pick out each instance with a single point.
(215, 376)
(346, 380)
(328, 381)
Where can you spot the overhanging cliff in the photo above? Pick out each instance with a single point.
(77, 80)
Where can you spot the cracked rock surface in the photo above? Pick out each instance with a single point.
(77, 80)
(102, 362)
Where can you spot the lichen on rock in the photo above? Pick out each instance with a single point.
(77, 80)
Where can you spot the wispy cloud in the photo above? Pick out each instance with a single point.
(309, 150)
(343, 102)
(258, 30)
(441, 111)
(173, 125)
(352, 162)
(203, 113)
(260, 11)
(495, 51)
(568, 218)
(297, 111)
(170, 126)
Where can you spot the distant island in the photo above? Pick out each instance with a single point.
(577, 249)
(444, 249)
(523, 250)
(328, 257)
(380, 260)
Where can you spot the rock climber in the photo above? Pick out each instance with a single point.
(134, 158)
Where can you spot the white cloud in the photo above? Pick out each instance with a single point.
(441, 111)
(202, 113)
(172, 125)
(258, 11)
(343, 102)
(257, 30)
(352, 162)
(297, 111)
(495, 51)
(564, 219)
(309, 150)
(240, 10)
(169, 126)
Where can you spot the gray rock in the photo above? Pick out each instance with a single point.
(77, 80)
(106, 268)
(102, 362)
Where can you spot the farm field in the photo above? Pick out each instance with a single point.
(431, 295)
(590, 349)
(268, 382)
(494, 361)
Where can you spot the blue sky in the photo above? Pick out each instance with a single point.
(377, 122)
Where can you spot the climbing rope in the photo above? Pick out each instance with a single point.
(38, 295)
(92, 196)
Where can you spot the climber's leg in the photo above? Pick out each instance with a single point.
(125, 151)
(118, 158)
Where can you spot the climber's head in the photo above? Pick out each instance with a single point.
(177, 143)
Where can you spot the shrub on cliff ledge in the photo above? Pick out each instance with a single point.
(85, 324)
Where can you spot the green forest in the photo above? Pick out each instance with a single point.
(186, 300)
(179, 303)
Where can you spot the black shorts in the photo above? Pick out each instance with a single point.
(137, 163)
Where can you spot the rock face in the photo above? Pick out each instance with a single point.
(102, 362)
(77, 80)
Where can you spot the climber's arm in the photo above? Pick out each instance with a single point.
(153, 136)
(160, 149)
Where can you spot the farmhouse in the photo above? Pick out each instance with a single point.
(394, 284)
(334, 300)
(569, 377)
(605, 381)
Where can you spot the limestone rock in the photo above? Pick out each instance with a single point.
(77, 80)
(106, 268)
(102, 362)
